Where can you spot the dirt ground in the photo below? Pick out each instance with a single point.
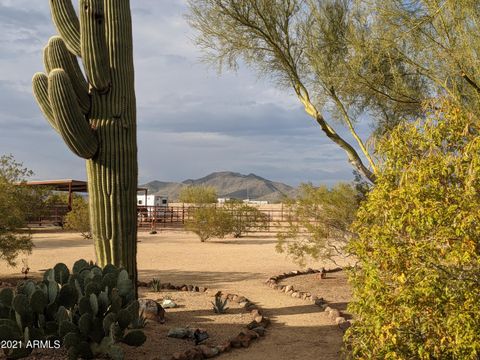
(299, 329)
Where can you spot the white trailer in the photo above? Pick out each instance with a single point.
(152, 200)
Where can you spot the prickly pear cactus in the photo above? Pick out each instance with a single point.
(96, 115)
(89, 311)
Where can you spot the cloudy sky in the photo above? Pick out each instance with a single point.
(191, 121)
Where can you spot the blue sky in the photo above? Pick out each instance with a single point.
(191, 121)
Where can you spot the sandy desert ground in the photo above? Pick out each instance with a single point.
(299, 330)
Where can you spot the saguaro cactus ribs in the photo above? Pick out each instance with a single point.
(96, 116)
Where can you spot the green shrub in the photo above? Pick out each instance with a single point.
(198, 195)
(245, 218)
(319, 221)
(208, 222)
(16, 203)
(88, 311)
(78, 219)
(417, 287)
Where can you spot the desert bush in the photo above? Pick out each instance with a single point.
(17, 202)
(244, 218)
(416, 290)
(78, 219)
(208, 222)
(198, 195)
(89, 311)
(319, 221)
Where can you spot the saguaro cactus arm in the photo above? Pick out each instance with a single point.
(71, 123)
(40, 90)
(93, 44)
(60, 58)
(67, 24)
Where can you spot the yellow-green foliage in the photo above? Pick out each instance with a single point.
(208, 222)
(78, 218)
(318, 222)
(16, 202)
(198, 195)
(417, 287)
(244, 218)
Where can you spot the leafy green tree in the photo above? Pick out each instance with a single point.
(15, 201)
(244, 218)
(318, 222)
(416, 290)
(198, 195)
(321, 51)
(78, 219)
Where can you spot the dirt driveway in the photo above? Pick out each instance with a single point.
(241, 266)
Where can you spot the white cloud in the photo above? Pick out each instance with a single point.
(191, 121)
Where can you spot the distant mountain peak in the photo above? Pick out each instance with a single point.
(228, 184)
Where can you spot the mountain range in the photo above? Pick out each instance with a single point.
(228, 185)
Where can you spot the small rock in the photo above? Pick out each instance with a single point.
(194, 354)
(184, 288)
(200, 335)
(295, 294)
(208, 352)
(334, 314)
(180, 333)
(339, 320)
(234, 298)
(190, 287)
(167, 304)
(202, 289)
(320, 301)
(196, 289)
(260, 330)
(224, 347)
(345, 325)
(327, 309)
(179, 356)
(288, 288)
(255, 313)
(258, 319)
(250, 333)
(152, 310)
(241, 299)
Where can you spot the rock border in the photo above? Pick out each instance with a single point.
(334, 314)
(252, 331)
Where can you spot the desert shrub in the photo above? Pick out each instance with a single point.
(198, 195)
(318, 222)
(17, 202)
(244, 218)
(89, 311)
(208, 222)
(78, 219)
(416, 290)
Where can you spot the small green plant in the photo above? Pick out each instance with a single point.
(220, 306)
(89, 311)
(156, 285)
(78, 219)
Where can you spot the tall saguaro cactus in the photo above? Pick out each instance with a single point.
(96, 116)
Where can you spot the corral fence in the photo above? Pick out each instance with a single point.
(175, 216)
(167, 217)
